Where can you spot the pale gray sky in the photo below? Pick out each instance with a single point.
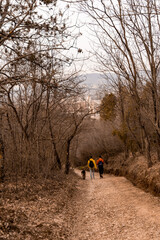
(85, 41)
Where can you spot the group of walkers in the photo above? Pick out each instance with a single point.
(92, 165)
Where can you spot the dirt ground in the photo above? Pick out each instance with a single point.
(112, 208)
(74, 209)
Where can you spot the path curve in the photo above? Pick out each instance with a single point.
(113, 209)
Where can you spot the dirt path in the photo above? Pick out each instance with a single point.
(113, 209)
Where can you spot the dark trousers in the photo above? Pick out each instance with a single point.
(100, 170)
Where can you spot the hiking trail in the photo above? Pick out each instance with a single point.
(112, 208)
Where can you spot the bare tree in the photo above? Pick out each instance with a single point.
(35, 43)
(128, 41)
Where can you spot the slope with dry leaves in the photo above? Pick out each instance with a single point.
(35, 209)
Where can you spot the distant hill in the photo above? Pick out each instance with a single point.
(93, 80)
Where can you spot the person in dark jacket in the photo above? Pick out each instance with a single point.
(100, 163)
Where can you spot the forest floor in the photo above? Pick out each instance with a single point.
(36, 209)
(74, 209)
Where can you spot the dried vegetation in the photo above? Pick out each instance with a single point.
(137, 171)
(36, 209)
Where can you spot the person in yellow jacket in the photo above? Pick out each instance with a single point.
(92, 166)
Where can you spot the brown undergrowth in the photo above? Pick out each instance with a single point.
(36, 208)
(135, 169)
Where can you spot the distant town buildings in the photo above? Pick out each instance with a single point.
(87, 104)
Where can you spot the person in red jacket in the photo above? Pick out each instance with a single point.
(100, 163)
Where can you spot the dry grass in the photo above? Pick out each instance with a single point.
(36, 209)
(136, 170)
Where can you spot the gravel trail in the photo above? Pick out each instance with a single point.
(113, 209)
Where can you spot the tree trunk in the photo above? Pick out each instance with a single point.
(2, 160)
(126, 152)
(67, 164)
(147, 150)
(158, 146)
(2, 155)
(57, 157)
(146, 142)
(54, 144)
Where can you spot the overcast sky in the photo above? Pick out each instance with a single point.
(85, 41)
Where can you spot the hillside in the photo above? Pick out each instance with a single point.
(93, 83)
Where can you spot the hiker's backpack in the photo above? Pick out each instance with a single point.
(91, 164)
(100, 163)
